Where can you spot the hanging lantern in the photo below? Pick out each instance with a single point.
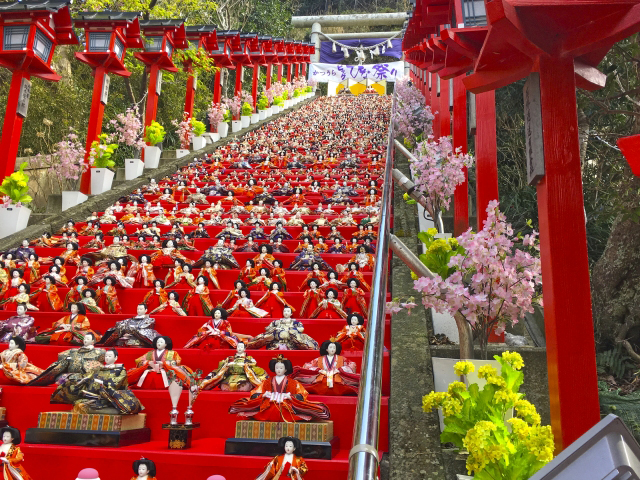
(333, 47)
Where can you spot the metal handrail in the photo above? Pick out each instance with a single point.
(363, 457)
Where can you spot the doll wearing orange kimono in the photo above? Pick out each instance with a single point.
(280, 398)
(210, 272)
(32, 269)
(312, 298)
(274, 302)
(198, 301)
(142, 272)
(69, 330)
(9, 451)
(330, 373)
(214, 334)
(108, 300)
(155, 297)
(151, 370)
(288, 465)
(15, 364)
(353, 271)
(351, 337)
(278, 274)
(47, 298)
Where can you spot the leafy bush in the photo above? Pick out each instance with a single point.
(16, 186)
(155, 133)
(227, 116)
(278, 101)
(614, 362)
(101, 152)
(296, 93)
(263, 103)
(285, 95)
(198, 127)
(246, 109)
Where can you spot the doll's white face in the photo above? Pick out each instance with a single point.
(289, 447)
(16, 274)
(248, 264)
(354, 321)
(280, 369)
(21, 310)
(353, 284)
(25, 243)
(275, 287)
(109, 358)
(116, 240)
(141, 310)
(286, 312)
(243, 294)
(201, 280)
(330, 294)
(74, 308)
(88, 340)
(113, 267)
(143, 470)
(12, 345)
(217, 314)
(161, 344)
(331, 349)
(7, 438)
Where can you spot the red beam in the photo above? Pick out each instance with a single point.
(461, 195)
(445, 115)
(289, 73)
(280, 72)
(486, 154)
(95, 126)
(435, 105)
(571, 364)
(12, 126)
(190, 96)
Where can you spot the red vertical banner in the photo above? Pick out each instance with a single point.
(461, 194)
(12, 125)
(486, 154)
(573, 391)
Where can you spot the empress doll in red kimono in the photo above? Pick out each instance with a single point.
(156, 296)
(198, 301)
(287, 465)
(209, 271)
(47, 299)
(353, 298)
(329, 307)
(262, 281)
(280, 398)
(214, 334)
(330, 373)
(182, 277)
(151, 370)
(274, 302)
(351, 337)
(265, 258)
(312, 298)
(353, 271)
(233, 295)
(108, 300)
(278, 274)
(314, 273)
(11, 455)
(142, 272)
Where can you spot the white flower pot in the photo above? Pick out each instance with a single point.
(207, 138)
(255, 118)
(101, 180)
(245, 120)
(223, 129)
(236, 126)
(198, 143)
(151, 157)
(277, 109)
(181, 152)
(71, 198)
(133, 168)
(13, 219)
(288, 103)
(215, 137)
(269, 111)
(262, 114)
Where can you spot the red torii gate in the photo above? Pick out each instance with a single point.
(203, 36)
(107, 37)
(30, 33)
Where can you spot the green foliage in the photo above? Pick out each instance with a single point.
(408, 200)
(263, 103)
(154, 133)
(101, 152)
(198, 127)
(227, 116)
(296, 93)
(285, 95)
(16, 186)
(439, 251)
(278, 101)
(247, 109)
(198, 60)
(614, 362)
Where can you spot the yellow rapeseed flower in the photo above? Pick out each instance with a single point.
(519, 427)
(456, 387)
(433, 400)
(504, 396)
(432, 231)
(451, 407)
(496, 380)
(487, 371)
(463, 368)
(527, 411)
(540, 443)
(514, 359)
(453, 242)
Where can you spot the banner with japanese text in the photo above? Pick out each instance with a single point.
(325, 72)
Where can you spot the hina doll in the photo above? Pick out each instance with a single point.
(136, 331)
(198, 301)
(337, 247)
(31, 268)
(156, 296)
(321, 246)
(85, 269)
(167, 254)
(68, 227)
(284, 334)
(280, 398)
(265, 258)
(45, 240)
(353, 298)
(363, 258)
(209, 271)
(279, 247)
(281, 232)
(244, 307)
(72, 364)
(258, 233)
(278, 274)
(221, 255)
(273, 301)
(115, 271)
(47, 299)
(171, 306)
(142, 272)
(182, 277)
(233, 295)
(71, 256)
(351, 337)
(10, 455)
(353, 271)
(333, 282)
(248, 272)
(108, 301)
(151, 370)
(105, 388)
(215, 334)
(20, 325)
(70, 329)
(306, 259)
(96, 242)
(287, 464)
(249, 246)
(10, 289)
(330, 373)
(23, 251)
(15, 365)
(238, 373)
(262, 281)
(75, 293)
(330, 307)
(144, 469)
(313, 296)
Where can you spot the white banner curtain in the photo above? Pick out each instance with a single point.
(378, 72)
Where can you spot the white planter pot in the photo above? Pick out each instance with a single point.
(207, 137)
(101, 180)
(269, 111)
(245, 120)
(255, 118)
(262, 114)
(13, 219)
(277, 109)
(133, 168)
(236, 126)
(71, 198)
(151, 157)
(198, 143)
(215, 137)
(223, 129)
(181, 152)
(288, 103)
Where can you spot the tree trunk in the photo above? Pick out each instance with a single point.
(583, 135)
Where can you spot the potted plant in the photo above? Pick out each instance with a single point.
(102, 164)
(154, 135)
(296, 95)
(286, 103)
(263, 105)
(216, 117)
(129, 131)
(278, 103)
(198, 130)
(14, 215)
(247, 111)
(223, 127)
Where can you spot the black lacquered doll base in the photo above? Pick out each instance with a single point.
(269, 448)
(87, 438)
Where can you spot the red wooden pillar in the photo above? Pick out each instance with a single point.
(289, 72)
(268, 84)
(95, 126)
(296, 66)
(190, 95)
(425, 89)
(461, 194)
(254, 86)
(280, 72)
(486, 154)
(304, 69)
(12, 126)
(445, 115)
(152, 95)
(568, 321)
(239, 72)
(217, 93)
(435, 105)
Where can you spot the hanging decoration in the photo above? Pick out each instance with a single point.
(361, 50)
